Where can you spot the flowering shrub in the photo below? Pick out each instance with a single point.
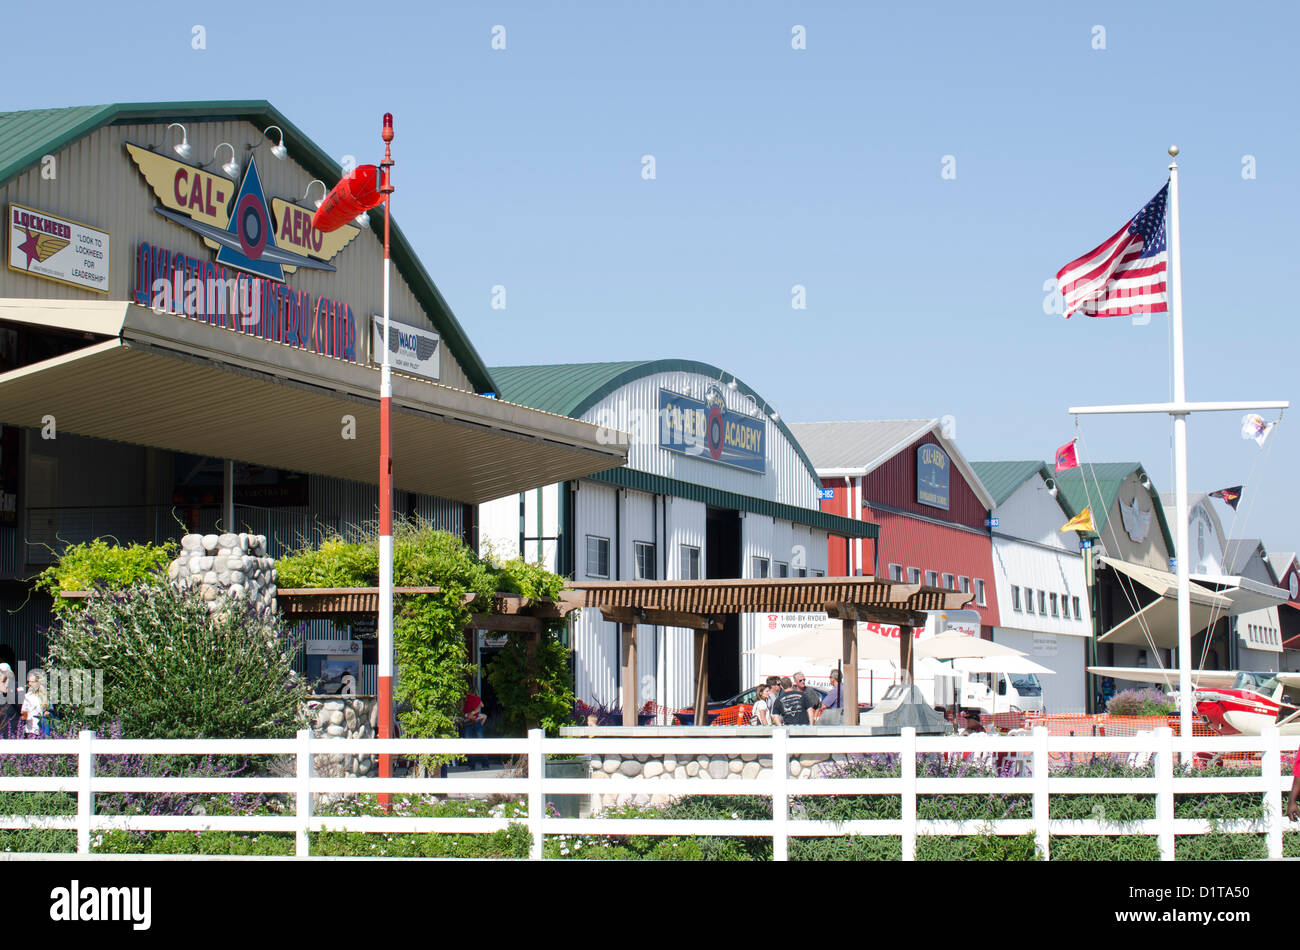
(1141, 702)
(173, 671)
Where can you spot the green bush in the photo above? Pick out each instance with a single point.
(847, 848)
(99, 564)
(988, 847)
(1109, 848)
(1218, 846)
(171, 670)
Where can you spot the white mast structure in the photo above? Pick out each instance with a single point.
(1179, 409)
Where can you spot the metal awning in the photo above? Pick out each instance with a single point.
(174, 383)
(1156, 624)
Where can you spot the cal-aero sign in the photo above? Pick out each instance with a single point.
(259, 243)
(412, 350)
(709, 430)
(58, 249)
(933, 471)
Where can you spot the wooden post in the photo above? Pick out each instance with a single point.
(849, 674)
(905, 654)
(630, 693)
(701, 677)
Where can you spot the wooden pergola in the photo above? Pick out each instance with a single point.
(701, 605)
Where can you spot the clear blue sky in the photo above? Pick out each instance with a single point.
(821, 167)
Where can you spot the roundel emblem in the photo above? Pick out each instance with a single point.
(715, 433)
(1294, 585)
(251, 226)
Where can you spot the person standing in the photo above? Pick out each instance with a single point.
(831, 713)
(792, 705)
(812, 698)
(8, 702)
(773, 699)
(34, 703)
(472, 722)
(761, 715)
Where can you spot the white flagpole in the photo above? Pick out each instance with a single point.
(1183, 562)
(1180, 409)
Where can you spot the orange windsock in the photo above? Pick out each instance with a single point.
(357, 192)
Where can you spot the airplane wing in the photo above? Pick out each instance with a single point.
(1289, 679)
(1201, 679)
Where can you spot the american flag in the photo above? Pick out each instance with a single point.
(1125, 274)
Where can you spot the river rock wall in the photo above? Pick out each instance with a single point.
(226, 566)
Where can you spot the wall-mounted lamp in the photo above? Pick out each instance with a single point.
(323, 191)
(362, 220)
(278, 150)
(776, 416)
(1051, 487)
(732, 384)
(231, 167)
(184, 150)
(1146, 482)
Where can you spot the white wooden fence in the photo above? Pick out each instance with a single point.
(1035, 751)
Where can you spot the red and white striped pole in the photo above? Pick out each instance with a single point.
(386, 487)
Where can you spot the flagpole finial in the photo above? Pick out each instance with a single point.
(1173, 151)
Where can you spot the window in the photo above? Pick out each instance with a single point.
(761, 567)
(1029, 600)
(782, 569)
(914, 575)
(1077, 615)
(597, 556)
(800, 572)
(818, 574)
(949, 582)
(690, 558)
(931, 578)
(645, 561)
(1015, 597)
(964, 584)
(1055, 613)
(1042, 602)
(979, 593)
(896, 572)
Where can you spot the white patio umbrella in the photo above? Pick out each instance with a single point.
(1000, 664)
(951, 645)
(826, 643)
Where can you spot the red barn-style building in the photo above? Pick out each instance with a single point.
(933, 512)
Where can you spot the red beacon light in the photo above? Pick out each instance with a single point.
(355, 194)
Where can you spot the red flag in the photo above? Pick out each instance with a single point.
(1066, 457)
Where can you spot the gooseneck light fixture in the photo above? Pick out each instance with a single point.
(184, 149)
(231, 167)
(278, 150)
(323, 190)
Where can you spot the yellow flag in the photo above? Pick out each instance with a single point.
(1080, 522)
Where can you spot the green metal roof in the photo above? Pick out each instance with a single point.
(27, 136)
(570, 389)
(1003, 478)
(1098, 484)
(662, 485)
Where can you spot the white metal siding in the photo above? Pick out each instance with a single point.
(1064, 692)
(1028, 566)
(97, 183)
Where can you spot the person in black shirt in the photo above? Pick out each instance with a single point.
(792, 704)
(812, 699)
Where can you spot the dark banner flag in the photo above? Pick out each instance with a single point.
(1229, 495)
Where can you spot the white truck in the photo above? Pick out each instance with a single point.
(987, 692)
